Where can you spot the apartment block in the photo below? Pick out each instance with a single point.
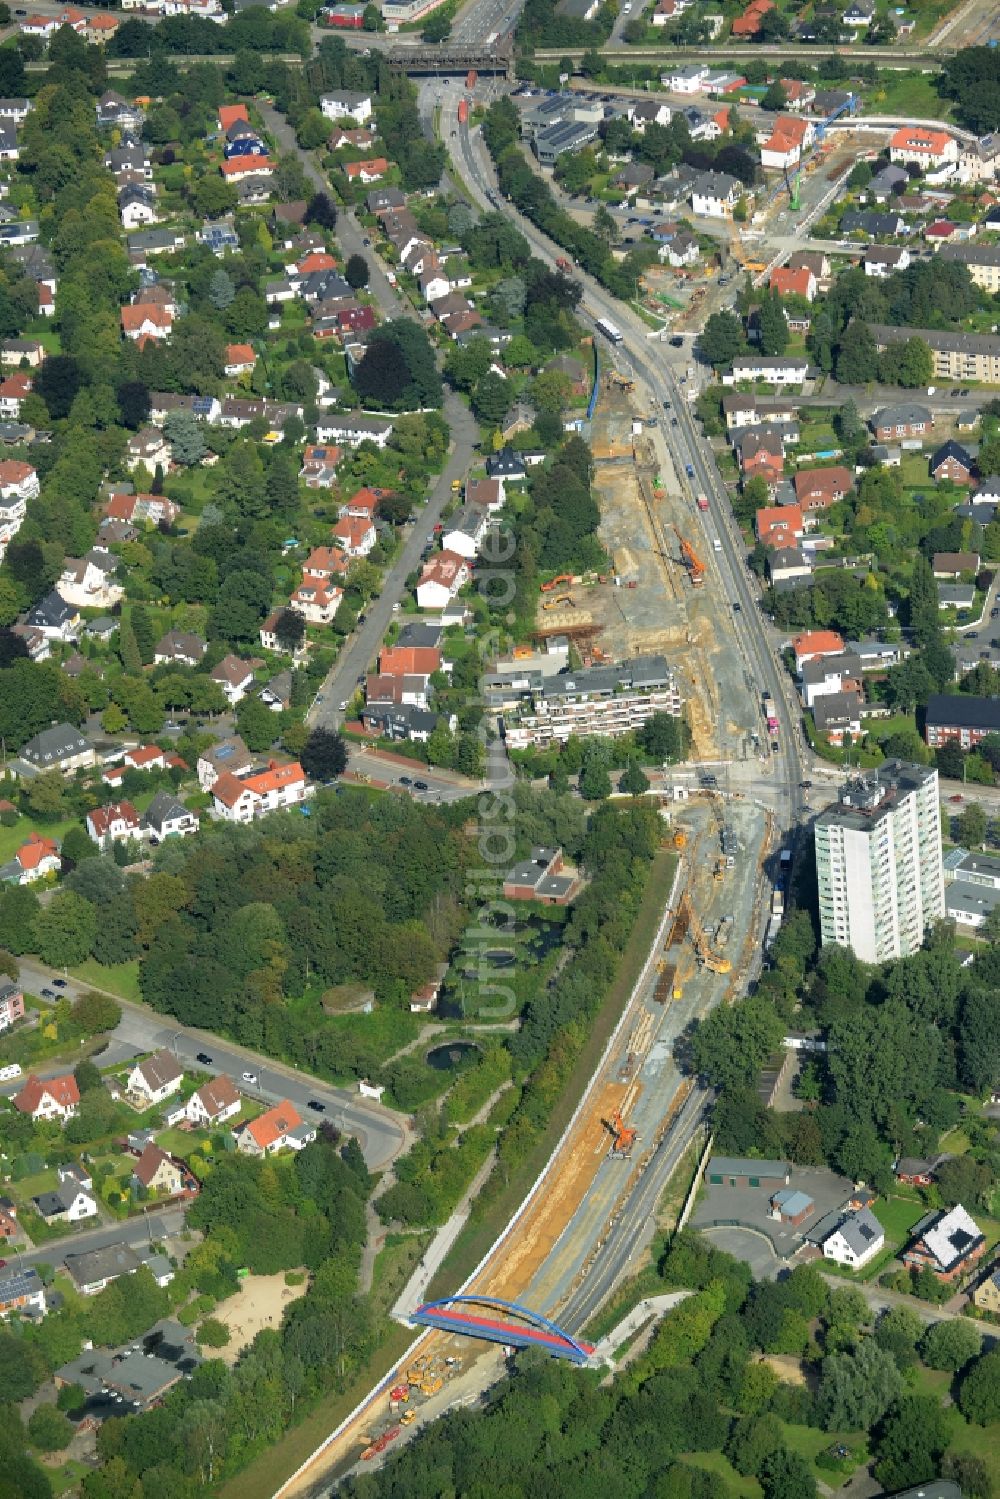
(601, 700)
(957, 356)
(878, 862)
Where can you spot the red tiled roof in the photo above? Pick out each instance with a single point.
(409, 660)
(269, 1127)
(37, 848)
(230, 113)
(240, 354)
(63, 1089)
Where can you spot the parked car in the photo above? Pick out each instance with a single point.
(316, 1106)
(204, 1059)
(250, 1077)
(59, 983)
(420, 785)
(49, 994)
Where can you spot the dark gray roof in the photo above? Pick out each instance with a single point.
(102, 1264)
(952, 449)
(51, 611)
(860, 1230)
(164, 806)
(950, 343)
(735, 1165)
(50, 746)
(962, 710)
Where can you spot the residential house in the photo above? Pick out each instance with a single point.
(714, 195)
(167, 817)
(981, 261)
(156, 1078)
(783, 147)
(957, 356)
(213, 1103)
(749, 23)
(55, 1098)
(238, 168)
(885, 260)
(137, 207)
(913, 1171)
(811, 645)
(799, 283)
(961, 719)
(144, 320)
(542, 877)
(819, 488)
(270, 790)
(399, 721)
(11, 1004)
(13, 390)
(68, 1204)
(442, 577)
(837, 714)
(116, 822)
(947, 1243)
(351, 428)
(779, 525)
(319, 466)
(240, 359)
(234, 676)
(88, 582)
(930, 148)
(59, 748)
(277, 693)
(507, 466)
(150, 448)
(683, 250)
(986, 1295)
(158, 1172)
(229, 755)
(37, 858)
(115, 112)
(464, 534)
(951, 565)
(770, 369)
(355, 535)
(827, 675)
(22, 1291)
(94, 1269)
(281, 1128)
(889, 225)
(951, 461)
(179, 648)
(316, 602)
(142, 509)
(858, 1238)
(788, 566)
(347, 104)
(761, 453)
(906, 420)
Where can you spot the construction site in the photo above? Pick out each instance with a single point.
(664, 593)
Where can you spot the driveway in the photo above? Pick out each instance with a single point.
(360, 649)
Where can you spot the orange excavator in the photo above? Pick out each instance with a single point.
(562, 578)
(624, 1135)
(693, 563)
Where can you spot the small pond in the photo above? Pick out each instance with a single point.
(452, 1056)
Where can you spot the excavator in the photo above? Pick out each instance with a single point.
(555, 582)
(556, 603)
(623, 1135)
(621, 382)
(693, 563)
(712, 960)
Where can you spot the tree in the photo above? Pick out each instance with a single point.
(775, 97)
(57, 382)
(972, 825)
(663, 737)
(857, 356)
(912, 1440)
(634, 780)
(321, 211)
(221, 289)
(256, 723)
(772, 325)
(721, 338)
(212, 1333)
(856, 1389)
(979, 1395)
(187, 443)
(94, 1012)
(133, 403)
(786, 1475)
(65, 930)
(964, 1179)
(950, 1345)
(77, 846)
(49, 1430)
(356, 272)
(289, 629)
(325, 755)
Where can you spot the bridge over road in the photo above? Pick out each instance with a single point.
(495, 58)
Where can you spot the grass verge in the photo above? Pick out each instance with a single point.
(484, 1229)
(121, 979)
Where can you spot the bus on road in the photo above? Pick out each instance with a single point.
(611, 333)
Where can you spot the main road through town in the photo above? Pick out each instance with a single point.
(380, 1133)
(360, 649)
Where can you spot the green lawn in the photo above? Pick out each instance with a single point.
(715, 1462)
(120, 978)
(30, 1186)
(912, 94)
(809, 1442)
(12, 838)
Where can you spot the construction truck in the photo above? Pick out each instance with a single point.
(623, 1135)
(691, 560)
(431, 1384)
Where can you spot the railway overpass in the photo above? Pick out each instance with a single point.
(498, 58)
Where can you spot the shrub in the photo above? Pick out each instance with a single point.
(213, 1333)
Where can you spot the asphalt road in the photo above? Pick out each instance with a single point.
(361, 648)
(380, 1133)
(134, 1231)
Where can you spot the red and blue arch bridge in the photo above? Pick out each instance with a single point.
(511, 1323)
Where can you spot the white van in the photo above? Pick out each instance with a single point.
(716, 545)
(8, 1073)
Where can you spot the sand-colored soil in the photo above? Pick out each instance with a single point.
(260, 1302)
